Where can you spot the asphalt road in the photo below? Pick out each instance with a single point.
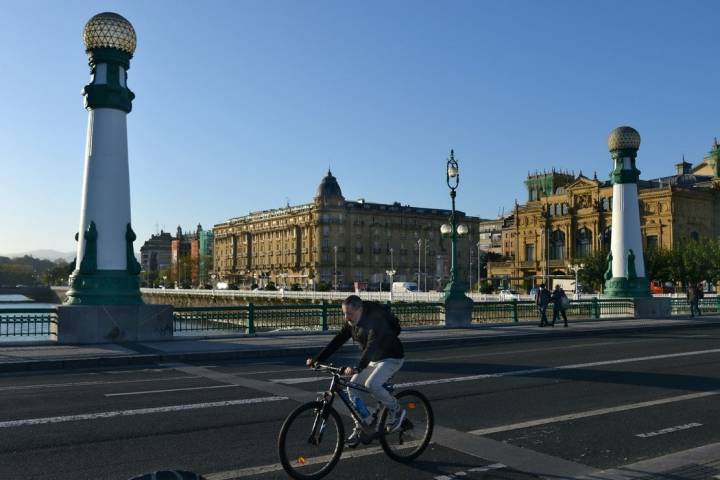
(516, 409)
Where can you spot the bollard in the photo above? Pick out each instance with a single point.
(251, 319)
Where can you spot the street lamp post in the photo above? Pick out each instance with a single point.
(454, 288)
(335, 250)
(426, 269)
(478, 265)
(458, 307)
(419, 242)
(575, 267)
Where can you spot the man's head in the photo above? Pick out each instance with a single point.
(352, 308)
(557, 287)
(542, 285)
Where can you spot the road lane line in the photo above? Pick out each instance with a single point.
(486, 468)
(145, 392)
(531, 371)
(274, 467)
(90, 383)
(139, 411)
(676, 428)
(592, 413)
(293, 381)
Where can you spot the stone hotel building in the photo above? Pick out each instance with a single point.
(337, 241)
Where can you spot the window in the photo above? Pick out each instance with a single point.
(529, 252)
(583, 243)
(557, 245)
(606, 238)
(694, 236)
(651, 242)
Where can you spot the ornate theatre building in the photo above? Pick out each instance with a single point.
(566, 218)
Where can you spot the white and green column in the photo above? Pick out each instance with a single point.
(106, 272)
(625, 274)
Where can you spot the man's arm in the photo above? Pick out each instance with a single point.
(343, 335)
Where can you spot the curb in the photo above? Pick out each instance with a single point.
(140, 359)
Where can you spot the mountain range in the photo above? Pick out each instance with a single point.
(51, 255)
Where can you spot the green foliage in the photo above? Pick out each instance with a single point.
(23, 270)
(486, 286)
(595, 266)
(324, 287)
(270, 286)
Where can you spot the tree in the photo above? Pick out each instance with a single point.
(594, 271)
(659, 264)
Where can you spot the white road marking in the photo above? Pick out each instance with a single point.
(139, 411)
(669, 430)
(89, 383)
(530, 371)
(592, 413)
(274, 467)
(293, 381)
(145, 392)
(486, 468)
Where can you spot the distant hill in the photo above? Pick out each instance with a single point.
(51, 255)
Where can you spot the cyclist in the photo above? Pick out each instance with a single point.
(371, 325)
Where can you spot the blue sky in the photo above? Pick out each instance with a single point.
(243, 105)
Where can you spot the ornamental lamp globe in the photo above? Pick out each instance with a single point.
(445, 229)
(462, 229)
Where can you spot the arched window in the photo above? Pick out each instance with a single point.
(557, 245)
(565, 208)
(606, 238)
(583, 243)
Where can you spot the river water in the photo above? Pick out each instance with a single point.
(13, 331)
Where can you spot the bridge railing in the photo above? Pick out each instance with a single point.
(28, 324)
(680, 306)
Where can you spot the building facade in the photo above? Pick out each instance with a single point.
(568, 217)
(334, 242)
(155, 257)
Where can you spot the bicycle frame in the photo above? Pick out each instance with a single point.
(338, 385)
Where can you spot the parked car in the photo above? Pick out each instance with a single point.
(508, 295)
(656, 286)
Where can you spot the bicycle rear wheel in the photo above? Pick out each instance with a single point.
(310, 444)
(413, 436)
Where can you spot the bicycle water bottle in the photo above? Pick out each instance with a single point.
(361, 408)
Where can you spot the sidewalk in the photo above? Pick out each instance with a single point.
(52, 357)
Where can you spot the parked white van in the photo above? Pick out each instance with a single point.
(401, 287)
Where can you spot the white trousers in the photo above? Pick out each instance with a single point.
(373, 378)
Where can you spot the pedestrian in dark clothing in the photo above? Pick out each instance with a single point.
(694, 294)
(542, 300)
(560, 304)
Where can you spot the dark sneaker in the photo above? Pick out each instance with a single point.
(355, 438)
(398, 416)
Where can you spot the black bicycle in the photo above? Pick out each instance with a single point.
(312, 436)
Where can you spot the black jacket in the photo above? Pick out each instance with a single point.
(374, 334)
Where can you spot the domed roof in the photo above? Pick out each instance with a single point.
(109, 30)
(329, 187)
(623, 138)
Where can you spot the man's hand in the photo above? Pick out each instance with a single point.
(309, 362)
(349, 371)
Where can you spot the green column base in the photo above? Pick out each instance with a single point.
(104, 287)
(454, 291)
(627, 288)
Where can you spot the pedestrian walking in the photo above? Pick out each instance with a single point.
(560, 304)
(542, 300)
(694, 294)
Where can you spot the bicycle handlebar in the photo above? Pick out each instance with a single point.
(329, 368)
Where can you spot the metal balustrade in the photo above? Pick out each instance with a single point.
(40, 323)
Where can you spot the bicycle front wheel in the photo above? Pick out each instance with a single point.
(310, 442)
(409, 441)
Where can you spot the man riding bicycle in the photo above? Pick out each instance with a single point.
(371, 325)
